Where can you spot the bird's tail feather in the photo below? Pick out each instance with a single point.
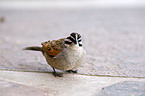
(34, 48)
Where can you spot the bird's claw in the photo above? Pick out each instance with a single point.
(57, 75)
(71, 71)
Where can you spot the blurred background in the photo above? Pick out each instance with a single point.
(113, 33)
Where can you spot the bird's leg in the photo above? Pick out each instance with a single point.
(71, 71)
(56, 74)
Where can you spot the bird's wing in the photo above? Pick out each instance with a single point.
(53, 47)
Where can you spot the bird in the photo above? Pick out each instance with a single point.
(65, 54)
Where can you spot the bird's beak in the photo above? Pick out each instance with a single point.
(76, 39)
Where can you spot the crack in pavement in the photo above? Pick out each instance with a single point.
(76, 74)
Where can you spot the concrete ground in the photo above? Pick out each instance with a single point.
(113, 38)
(45, 84)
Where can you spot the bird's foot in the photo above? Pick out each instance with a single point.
(57, 75)
(71, 71)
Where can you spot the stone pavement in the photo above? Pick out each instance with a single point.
(45, 84)
(127, 88)
(113, 38)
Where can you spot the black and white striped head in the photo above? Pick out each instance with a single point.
(74, 38)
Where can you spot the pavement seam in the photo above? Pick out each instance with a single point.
(76, 74)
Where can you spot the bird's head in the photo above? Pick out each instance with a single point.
(74, 39)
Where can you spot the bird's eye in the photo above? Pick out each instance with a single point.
(79, 36)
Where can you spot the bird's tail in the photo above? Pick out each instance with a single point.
(34, 48)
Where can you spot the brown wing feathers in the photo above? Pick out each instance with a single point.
(53, 47)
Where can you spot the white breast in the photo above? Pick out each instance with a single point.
(70, 58)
